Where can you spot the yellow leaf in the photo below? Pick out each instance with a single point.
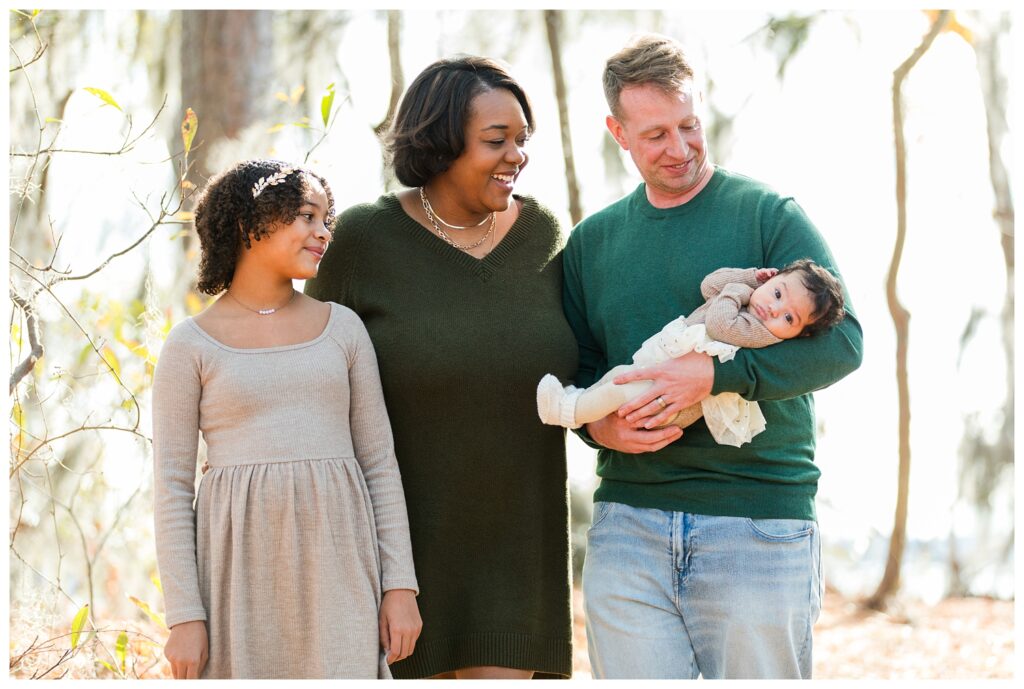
(76, 624)
(156, 617)
(281, 96)
(103, 96)
(184, 215)
(107, 665)
(297, 93)
(186, 185)
(156, 582)
(189, 125)
(121, 649)
(108, 356)
(952, 25)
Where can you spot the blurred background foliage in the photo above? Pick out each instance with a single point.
(105, 160)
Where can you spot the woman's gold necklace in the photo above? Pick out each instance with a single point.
(431, 216)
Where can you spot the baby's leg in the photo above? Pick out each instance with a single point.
(687, 416)
(604, 396)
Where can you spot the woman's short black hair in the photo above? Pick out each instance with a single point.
(228, 215)
(428, 132)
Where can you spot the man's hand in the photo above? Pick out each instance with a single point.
(400, 623)
(615, 433)
(187, 649)
(678, 383)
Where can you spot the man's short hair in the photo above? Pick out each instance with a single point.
(646, 59)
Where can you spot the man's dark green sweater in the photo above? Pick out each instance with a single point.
(630, 269)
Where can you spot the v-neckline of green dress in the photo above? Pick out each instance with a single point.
(484, 267)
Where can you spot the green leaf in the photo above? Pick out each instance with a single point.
(327, 102)
(189, 125)
(76, 625)
(121, 649)
(83, 355)
(107, 665)
(53, 119)
(103, 96)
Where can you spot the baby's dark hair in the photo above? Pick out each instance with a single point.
(228, 215)
(826, 295)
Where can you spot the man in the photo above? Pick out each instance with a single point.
(703, 559)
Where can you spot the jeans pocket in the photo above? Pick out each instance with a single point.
(781, 530)
(601, 511)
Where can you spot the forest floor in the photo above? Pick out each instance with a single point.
(958, 638)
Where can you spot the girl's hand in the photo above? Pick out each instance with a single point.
(763, 275)
(188, 649)
(400, 623)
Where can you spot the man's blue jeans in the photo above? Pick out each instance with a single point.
(677, 595)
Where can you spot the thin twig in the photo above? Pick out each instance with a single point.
(128, 145)
(92, 345)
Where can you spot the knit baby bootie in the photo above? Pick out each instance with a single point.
(549, 400)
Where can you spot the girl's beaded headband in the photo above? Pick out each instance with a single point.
(274, 179)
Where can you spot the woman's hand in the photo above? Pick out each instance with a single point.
(400, 623)
(763, 275)
(188, 649)
(678, 383)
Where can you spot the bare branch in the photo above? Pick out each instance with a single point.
(49, 440)
(127, 145)
(36, 348)
(40, 49)
(92, 345)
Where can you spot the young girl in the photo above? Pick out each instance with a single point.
(295, 561)
(754, 307)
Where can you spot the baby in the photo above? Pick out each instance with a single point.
(753, 307)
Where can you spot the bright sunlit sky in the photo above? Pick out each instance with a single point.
(824, 135)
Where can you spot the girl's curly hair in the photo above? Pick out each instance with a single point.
(227, 215)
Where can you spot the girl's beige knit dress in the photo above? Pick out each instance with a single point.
(300, 524)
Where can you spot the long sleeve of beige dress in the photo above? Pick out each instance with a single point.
(300, 524)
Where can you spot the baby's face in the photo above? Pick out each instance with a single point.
(783, 304)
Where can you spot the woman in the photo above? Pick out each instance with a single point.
(459, 283)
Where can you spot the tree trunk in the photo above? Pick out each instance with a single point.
(227, 61)
(397, 86)
(901, 319)
(553, 23)
(985, 462)
(995, 91)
